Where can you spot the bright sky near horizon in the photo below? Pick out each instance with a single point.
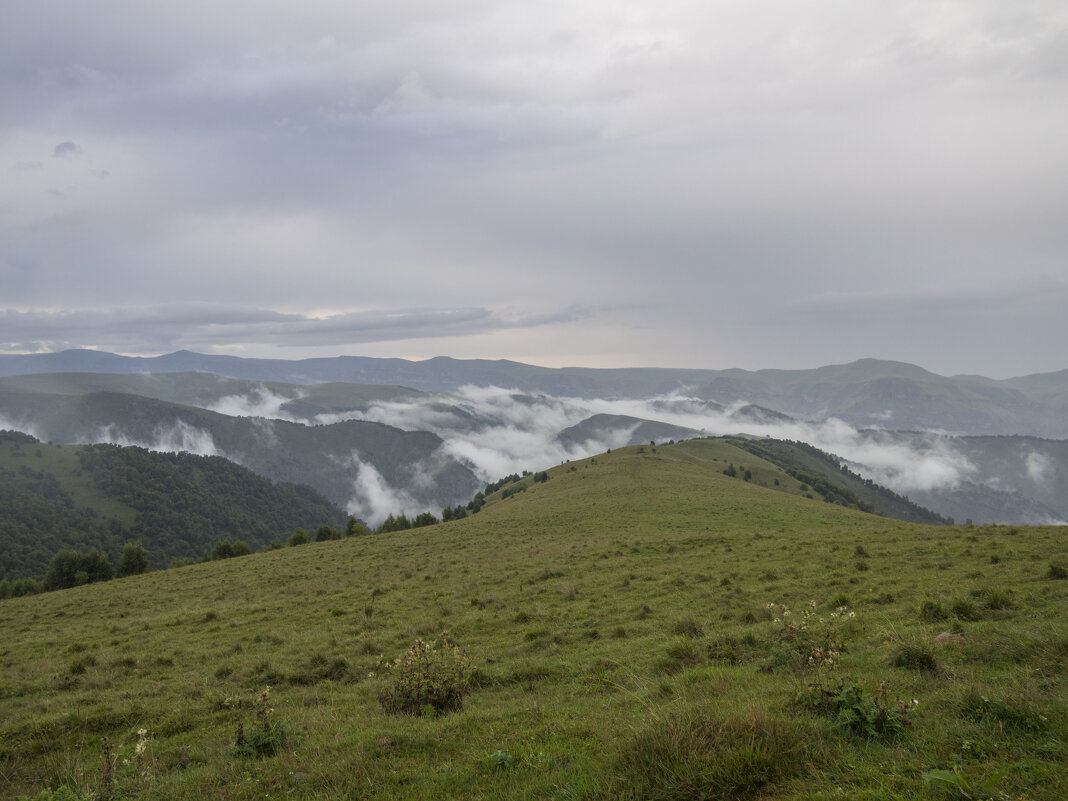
(731, 183)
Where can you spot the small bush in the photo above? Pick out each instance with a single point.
(1057, 572)
(298, 537)
(427, 680)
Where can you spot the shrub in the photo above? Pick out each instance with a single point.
(298, 537)
(224, 549)
(69, 568)
(1057, 572)
(427, 680)
(134, 560)
(325, 533)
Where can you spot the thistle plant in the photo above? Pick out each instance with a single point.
(810, 643)
(266, 736)
(426, 679)
(140, 761)
(874, 717)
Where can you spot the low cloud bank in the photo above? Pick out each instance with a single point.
(373, 499)
(499, 431)
(166, 439)
(8, 424)
(1039, 467)
(261, 403)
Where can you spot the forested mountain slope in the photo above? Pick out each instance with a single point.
(177, 506)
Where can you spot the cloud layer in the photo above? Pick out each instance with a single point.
(499, 432)
(721, 184)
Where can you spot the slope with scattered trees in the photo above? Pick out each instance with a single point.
(102, 497)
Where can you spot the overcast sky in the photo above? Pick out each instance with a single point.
(705, 184)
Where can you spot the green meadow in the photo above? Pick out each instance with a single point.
(639, 626)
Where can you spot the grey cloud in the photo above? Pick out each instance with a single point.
(65, 150)
(212, 327)
(483, 155)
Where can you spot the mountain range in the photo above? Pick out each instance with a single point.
(383, 435)
(868, 392)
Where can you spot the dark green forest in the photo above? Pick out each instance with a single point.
(178, 506)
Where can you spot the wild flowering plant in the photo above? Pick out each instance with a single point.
(140, 760)
(873, 717)
(426, 679)
(266, 736)
(810, 643)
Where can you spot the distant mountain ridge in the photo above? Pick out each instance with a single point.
(379, 448)
(866, 393)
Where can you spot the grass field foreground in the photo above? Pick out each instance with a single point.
(638, 626)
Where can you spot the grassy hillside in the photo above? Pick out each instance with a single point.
(177, 506)
(626, 623)
(834, 482)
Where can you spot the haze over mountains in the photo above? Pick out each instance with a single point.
(868, 392)
(385, 435)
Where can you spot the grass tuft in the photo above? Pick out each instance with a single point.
(704, 753)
